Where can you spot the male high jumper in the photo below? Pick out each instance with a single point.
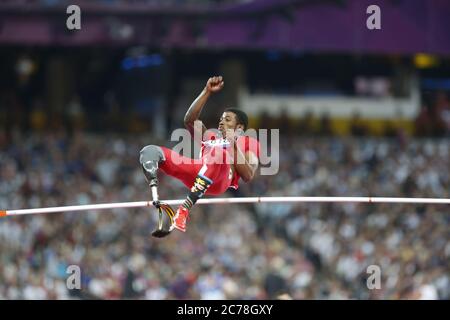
(225, 156)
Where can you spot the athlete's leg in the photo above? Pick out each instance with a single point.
(212, 174)
(197, 175)
(185, 169)
(171, 163)
(180, 167)
(150, 158)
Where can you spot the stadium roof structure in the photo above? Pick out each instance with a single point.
(407, 27)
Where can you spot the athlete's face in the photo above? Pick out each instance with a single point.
(228, 121)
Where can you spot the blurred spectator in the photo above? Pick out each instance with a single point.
(267, 121)
(38, 117)
(357, 126)
(75, 114)
(443, 113)
(284, 123)
(423, 124)
(325, 125)
(307, 124)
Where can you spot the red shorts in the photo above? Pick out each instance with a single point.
(186, 170)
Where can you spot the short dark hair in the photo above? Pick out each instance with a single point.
(241, 116)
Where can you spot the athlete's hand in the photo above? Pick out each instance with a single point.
(232, 135)
(214, 84)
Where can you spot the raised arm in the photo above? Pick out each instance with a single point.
(213, 85)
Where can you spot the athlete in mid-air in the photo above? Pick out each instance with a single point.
(226, 155)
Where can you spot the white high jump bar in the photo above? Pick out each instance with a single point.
(104, 206)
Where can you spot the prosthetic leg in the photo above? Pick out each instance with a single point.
(150, 158)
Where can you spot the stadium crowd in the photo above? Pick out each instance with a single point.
(308, 251)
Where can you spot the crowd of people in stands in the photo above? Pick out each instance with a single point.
(263, 251)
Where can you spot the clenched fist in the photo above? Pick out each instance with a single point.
(214, 84)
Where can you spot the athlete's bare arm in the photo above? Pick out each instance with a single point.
(213, 85)
(244, 163)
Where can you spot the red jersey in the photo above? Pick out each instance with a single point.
(213, 146)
